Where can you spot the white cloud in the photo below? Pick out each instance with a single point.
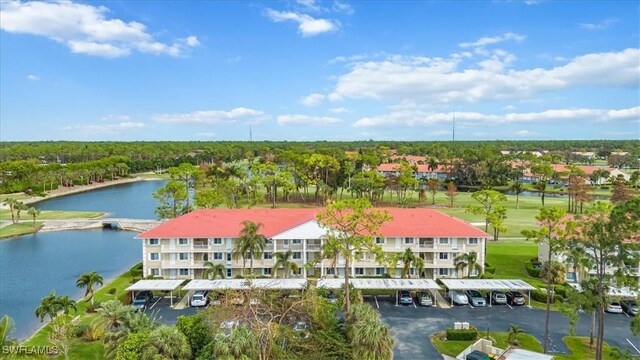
(85, 29)
(108, 128)
(525, 133)
(307, 25)
(340, 110)
(213, 116)
(206, 134)
(598, 26)
(442, 80)
(341, 7)
(297, 119)
(118, 118)
(482, 42)
(312, 99)
(33, 77)
(311, 5)
(416, 118)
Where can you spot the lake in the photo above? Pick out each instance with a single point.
(33, 265)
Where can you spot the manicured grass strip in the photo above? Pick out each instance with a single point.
(53, 215)
(453, 348)
(579, 348)
(19, 229)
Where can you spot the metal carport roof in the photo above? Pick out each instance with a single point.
(159, 285)
(380, 284)
(486, 284)
(243, 284)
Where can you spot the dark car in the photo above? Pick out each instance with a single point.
(142, 300)
(405, 298)
(630, 307)
(515, 298)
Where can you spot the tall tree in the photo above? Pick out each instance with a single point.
(34, 213)
(213, 269)
(489, 200)
(251, 242)
(354, 225)
(49, 306)
(517, 188)
(88, 281)
(620, 193)
(167, 342)
(283, 260)
(543, 171)
(496, 220)
(408, 257)
(173, 199)
(452, 192)
(63, 334)
(368, 335)
(188, 174)
(605, 233)
(11, 203)
(433, 185)
(468, 260)
(554, 230)
(19, 206)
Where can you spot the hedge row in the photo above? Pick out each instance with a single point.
(531, 271)
(462, 335)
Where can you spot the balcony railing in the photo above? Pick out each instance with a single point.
(426, 245)
(200, 246)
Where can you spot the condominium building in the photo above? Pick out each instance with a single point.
(179, 248)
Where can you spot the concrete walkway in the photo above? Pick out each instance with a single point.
(183, 303)
(139, 225)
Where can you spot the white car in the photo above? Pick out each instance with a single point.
(458, 297)
(200, 298)
(614, 308)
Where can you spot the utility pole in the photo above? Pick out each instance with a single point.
(453, 127)
(250, 133)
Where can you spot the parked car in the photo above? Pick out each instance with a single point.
(425, 299)
(630, 307)
(405, 297)
(515, 298)
(142, 300)
(200, 298)
(332, 298)
(458, 298)
(475, 298)
(614, 308)
(497, 297)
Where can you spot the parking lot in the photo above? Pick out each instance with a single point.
(411, 325)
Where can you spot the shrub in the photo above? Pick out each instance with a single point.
(491, 270)
(92, 308)
(531, 271)
(462, 335)
(560, 291)
(541, 296)
(112, 291)
(486, 275)
(81, 329)
(534, 260)
(93, 332)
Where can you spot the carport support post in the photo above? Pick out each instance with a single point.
(490, 296)
(529, 295)
(397, 297)
(451, 297)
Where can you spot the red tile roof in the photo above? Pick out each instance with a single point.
(421, 168)
(209, 223)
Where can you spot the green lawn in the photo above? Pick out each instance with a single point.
(579, 347)
(453, 348)
(87, 350)
(18, 229)
(53, 215)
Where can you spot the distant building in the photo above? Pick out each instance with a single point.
(441, 172)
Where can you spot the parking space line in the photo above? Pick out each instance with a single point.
(154, 304)
(471, 306)
(625, 314)
(376, 298)
(630, 343)
(414, 305)
(509, 306)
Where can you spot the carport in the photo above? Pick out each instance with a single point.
(246, 284)
(155, 285)
(490, 285)
(384, 284)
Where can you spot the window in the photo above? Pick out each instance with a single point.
(299, 272)
(297, 255)
(380, 241)
(408, 241)
(331, 271)
(155, 272)
(154, 242)
(268, 255)
(297, 241)
(380, 271)
(359, 271)
(184, 256)
(184, 272)
(443, 241)
(217, 256)
(229, 273)
(571, 276)
(285, 243)
(154, 256)
(443, 256)
(183, 241)
(217, 241)
(473, 241)
(443, 272)
(266, 271)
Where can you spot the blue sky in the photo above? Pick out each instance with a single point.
(319, 70)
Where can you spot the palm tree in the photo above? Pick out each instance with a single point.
(113, 316)
(253, 242)
(88, 280)
(6, 328)
(283, 260)
(11, 202)
(66, 304)
(49, 306)
(461, 262)
(213, 269)
(19, 206)
(167, 342)
(34, 212)
(514, 331)
(418, 263)
(370, 339)
(468, 260)
(407, 258)
(241, 344)
(557, 273)
(433, 163)
(517, 189)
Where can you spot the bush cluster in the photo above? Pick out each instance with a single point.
(462, 334)
(531, 270)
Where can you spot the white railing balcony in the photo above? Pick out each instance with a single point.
(426, 246)
(201, 246)
(313, 247)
